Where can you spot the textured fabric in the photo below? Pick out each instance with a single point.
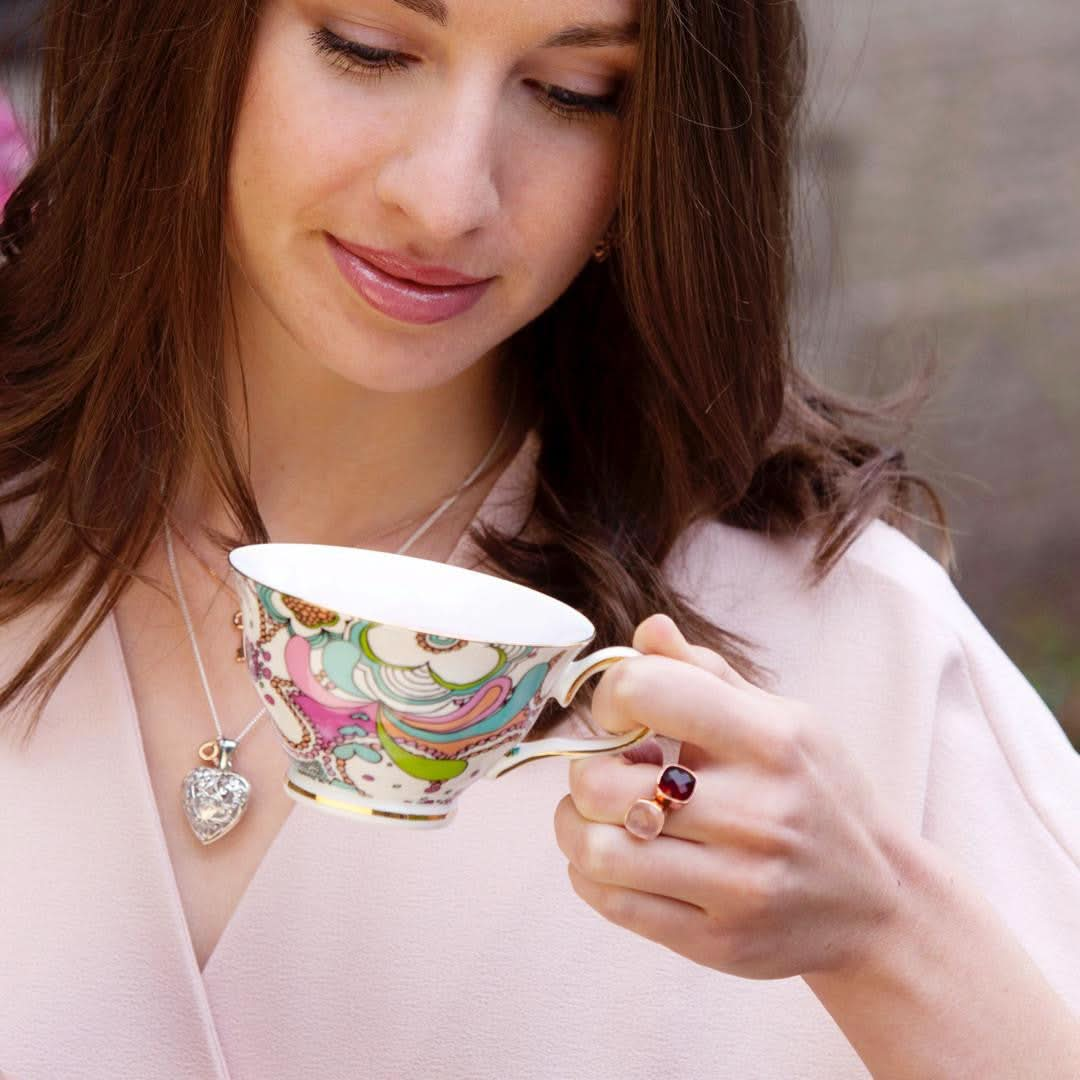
(364, 950)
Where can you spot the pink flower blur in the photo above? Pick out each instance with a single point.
(14, 150)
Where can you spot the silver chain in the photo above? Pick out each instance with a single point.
(195, 644)
(438, 512)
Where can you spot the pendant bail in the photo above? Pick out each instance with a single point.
(228, 748)
(218, 752)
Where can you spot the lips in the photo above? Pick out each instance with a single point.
(399, 267)
(404, 299)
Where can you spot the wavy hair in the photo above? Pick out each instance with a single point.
(113, 304)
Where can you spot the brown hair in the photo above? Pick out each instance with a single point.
(112, 307)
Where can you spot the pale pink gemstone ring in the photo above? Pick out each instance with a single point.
(674, 788)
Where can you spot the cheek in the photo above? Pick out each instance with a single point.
(299, 137)
(561, 186)
(293, 149)
(575, 189)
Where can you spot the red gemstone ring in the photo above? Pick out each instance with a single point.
(674, 788)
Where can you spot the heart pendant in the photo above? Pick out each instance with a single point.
(214, 801)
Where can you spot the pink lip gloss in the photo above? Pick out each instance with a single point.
(408, 301)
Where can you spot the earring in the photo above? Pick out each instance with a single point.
(603, 249)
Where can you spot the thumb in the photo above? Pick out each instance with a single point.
(660, 635)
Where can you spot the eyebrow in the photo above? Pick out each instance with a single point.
(577, 36)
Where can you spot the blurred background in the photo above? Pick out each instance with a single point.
(938, 211)
(940, 198)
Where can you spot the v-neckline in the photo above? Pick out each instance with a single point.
(150, 798)
(518, 468)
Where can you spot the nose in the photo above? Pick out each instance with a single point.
(441, 173)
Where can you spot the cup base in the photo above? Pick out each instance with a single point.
(337, 801)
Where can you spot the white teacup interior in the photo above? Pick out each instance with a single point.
(420, 594)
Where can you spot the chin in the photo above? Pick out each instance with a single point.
(405, 369)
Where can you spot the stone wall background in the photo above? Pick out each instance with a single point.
(939, 209)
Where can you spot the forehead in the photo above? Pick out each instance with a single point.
(574, 22)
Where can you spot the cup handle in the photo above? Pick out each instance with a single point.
(564, 692)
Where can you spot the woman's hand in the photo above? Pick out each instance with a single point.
(784, 862)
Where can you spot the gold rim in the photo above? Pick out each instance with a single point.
(589, 672)
(370, 811)
(585, 752)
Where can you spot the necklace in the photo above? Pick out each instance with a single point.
(215, 796)
(237, 616)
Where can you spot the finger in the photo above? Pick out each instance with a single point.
(659, 634)
(678, 925)
(687, 703)
(604, 794)
(610, 855)
(683, 928)
(742, 811)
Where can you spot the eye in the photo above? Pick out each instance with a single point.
(567, 103)
(353, 57)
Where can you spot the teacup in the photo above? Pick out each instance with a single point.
(396, 682)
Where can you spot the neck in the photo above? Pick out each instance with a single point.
(337, 463)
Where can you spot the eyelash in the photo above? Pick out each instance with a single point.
(353, 57)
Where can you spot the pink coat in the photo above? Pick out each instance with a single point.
(464, 952)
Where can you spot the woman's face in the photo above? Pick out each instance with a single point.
(454, 155)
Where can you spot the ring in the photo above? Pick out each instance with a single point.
(674, 788)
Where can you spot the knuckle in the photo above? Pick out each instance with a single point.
(623, 682)
(739, 953)
(789, 817)
(616, 905)
(574, 845)
(564, 831)
(785, 741)
(589, 789)
(594, 854)
(613, 692)
(750, 896)
(764, 888)
(778, 838)
(776, 750)
(723, 941)
(708, 657)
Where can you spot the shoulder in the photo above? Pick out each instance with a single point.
(880, 551)
(883, 585)
(895, 659)
(22, 633)
(879, 647)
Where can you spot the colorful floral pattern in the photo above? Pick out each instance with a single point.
(400, 716)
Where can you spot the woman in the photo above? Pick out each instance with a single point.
(504, 285)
